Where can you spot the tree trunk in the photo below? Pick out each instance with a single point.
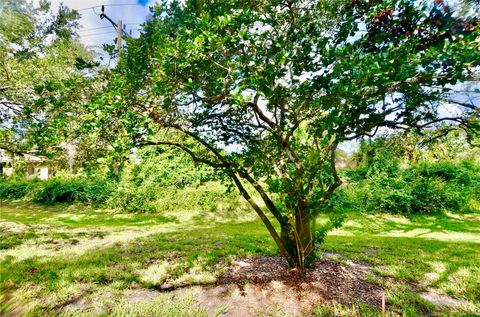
(297, 240)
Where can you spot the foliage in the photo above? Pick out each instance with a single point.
(15, 190)
(265, 91)
(133, 199)
(45, 75)
(388, 180)
(174, 169)
(335, 221)
(72, 190)
(177, 185)
(210, 196)
(57, 190)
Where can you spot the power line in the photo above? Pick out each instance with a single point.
(95, 34)
(102, 27)
(109, 5)
(106, 27)
(117, 26)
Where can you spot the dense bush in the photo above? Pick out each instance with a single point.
(58, 190)
(420, 188)
(131, 198)
(15, 189)
(73, 190)
(164, 181)
(150, 197)
(411, 174)
(382, 181)
(170, 181)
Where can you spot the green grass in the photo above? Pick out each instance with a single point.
(75, 216)
(10, 240)
(162, 306)
(91, 252)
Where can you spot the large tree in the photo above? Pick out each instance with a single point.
(45, 74)
(266, 90)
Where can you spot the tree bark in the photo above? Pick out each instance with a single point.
(297, 239)
(263, 217)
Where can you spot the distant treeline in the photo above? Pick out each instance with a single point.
(383, 175)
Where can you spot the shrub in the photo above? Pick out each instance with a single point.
(422, 188)
(464, 172)
(131, 198)
(15, 189)
(176, 184)
(58, 190)
(73, 190)
(151, 197)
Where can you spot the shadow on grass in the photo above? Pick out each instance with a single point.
(76, 216)
(121, 262)
(441, 223)
(409, 259)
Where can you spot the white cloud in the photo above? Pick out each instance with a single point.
(95, 31)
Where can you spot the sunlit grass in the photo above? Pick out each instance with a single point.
(69, 259)
(164, 305)
(73, 216)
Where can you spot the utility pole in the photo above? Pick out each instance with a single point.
(119, 27)
(119, 38)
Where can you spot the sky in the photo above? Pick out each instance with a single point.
(95, 31)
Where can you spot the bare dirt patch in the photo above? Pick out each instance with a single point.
(442, 301)
(266, 284)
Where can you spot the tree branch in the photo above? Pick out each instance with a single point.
(268, 202)
(262, 216)
(188, 151)
(337, 180)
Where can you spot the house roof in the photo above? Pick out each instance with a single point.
(29, 158)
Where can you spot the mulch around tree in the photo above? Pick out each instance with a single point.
(266, 284)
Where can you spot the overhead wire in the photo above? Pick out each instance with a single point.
(108, 5)
(91, 29)
(95, 34)
(103, 15)
(105, 27)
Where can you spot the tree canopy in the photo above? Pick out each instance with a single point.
(265, 91)
(45, 75)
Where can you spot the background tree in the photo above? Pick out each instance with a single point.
(407, 173)
(45, 75)
(266, 90)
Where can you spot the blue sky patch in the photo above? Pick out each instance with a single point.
(142, 2)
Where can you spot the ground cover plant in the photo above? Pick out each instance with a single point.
(425, 264)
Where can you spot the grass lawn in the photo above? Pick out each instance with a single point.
(55, 259)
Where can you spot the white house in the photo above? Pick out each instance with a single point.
(36, 166)
(6, 167)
